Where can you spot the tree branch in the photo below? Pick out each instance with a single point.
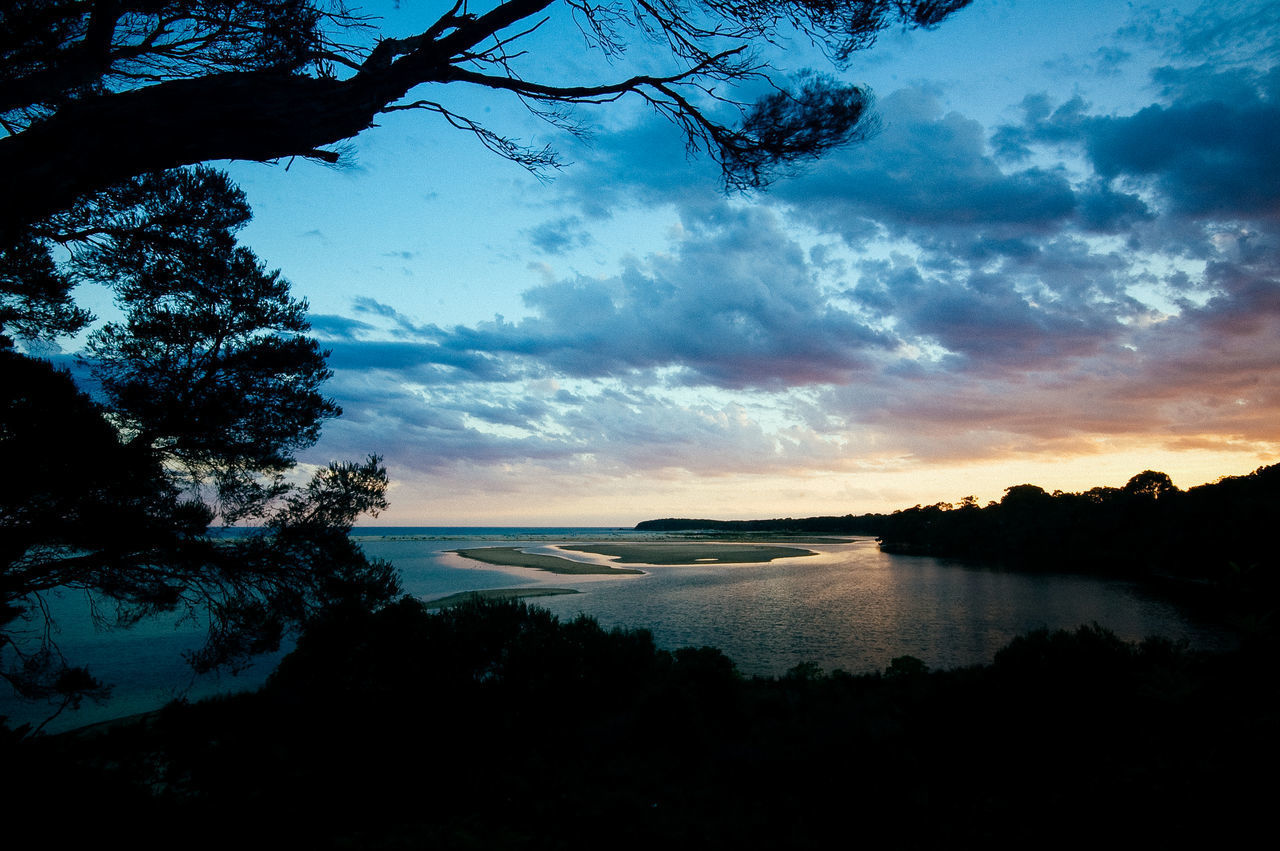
(583, 94)
(65, 143)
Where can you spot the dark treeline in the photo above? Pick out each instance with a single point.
(1219, 534)
(849, 524)
(495, 725)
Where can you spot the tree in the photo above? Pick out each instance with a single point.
(94, 93)
(1019, 496)
(35, 299)
(211, 371)
(208, 387)
(1150, 484)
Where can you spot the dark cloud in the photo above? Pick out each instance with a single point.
(1103, 209)
(393, 321)
(927, 169)
(428, 362)
(332, 327)
(1208, 158)
(559, 236)
(735, 305)
(1208, 152)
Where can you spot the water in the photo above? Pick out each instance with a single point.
(850, 607)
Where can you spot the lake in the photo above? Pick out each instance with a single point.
(850, 606)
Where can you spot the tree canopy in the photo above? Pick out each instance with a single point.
(203, 392)
(94, 93)
(206, 389)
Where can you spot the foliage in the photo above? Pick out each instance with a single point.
(1210, 543)
(94, 93)
(206, 390)
(494, 724)
(209, 385)
(211, 368)
(1148, 528)
(35, 298)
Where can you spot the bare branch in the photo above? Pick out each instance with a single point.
(183, 82)
(536, 160)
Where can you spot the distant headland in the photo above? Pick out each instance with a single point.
(1218, 535)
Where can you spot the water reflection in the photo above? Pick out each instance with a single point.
(849, 607)
(856, 608)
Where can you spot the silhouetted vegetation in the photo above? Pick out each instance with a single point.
(1217, 539)
(210, 384)
(849, 524)
(197, 401)
(495, 725)
(203, 393)
(92, 94)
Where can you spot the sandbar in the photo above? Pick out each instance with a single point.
(496, 594)
(691, 553)
(513, 557)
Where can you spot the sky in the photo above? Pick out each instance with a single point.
(1056, 262)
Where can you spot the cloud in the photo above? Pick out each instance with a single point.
(422, 361)
(927, 169)
(1071, 281)
(639, 166)
(1206, 158)
(735, 304)
(603, 426)
(332, 327)
(1228, 34)
(559, 236)
(1209, 152)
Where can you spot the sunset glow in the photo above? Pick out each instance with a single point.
(1055, 263)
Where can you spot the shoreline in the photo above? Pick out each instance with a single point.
(496, 594)
(691, 553)
(647, 553)
(513, 557)
(517, 534)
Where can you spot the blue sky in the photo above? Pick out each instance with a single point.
(1056, 262)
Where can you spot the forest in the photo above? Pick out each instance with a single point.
(496, 725)
(1210, 541)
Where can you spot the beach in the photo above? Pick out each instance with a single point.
(685, 552)
(515, 557)
(497, 594)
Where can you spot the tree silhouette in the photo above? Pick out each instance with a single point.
(208, 387)
(94, 93)
(1150, 484)
(211, 370)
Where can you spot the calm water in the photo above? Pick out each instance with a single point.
(849, 607)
